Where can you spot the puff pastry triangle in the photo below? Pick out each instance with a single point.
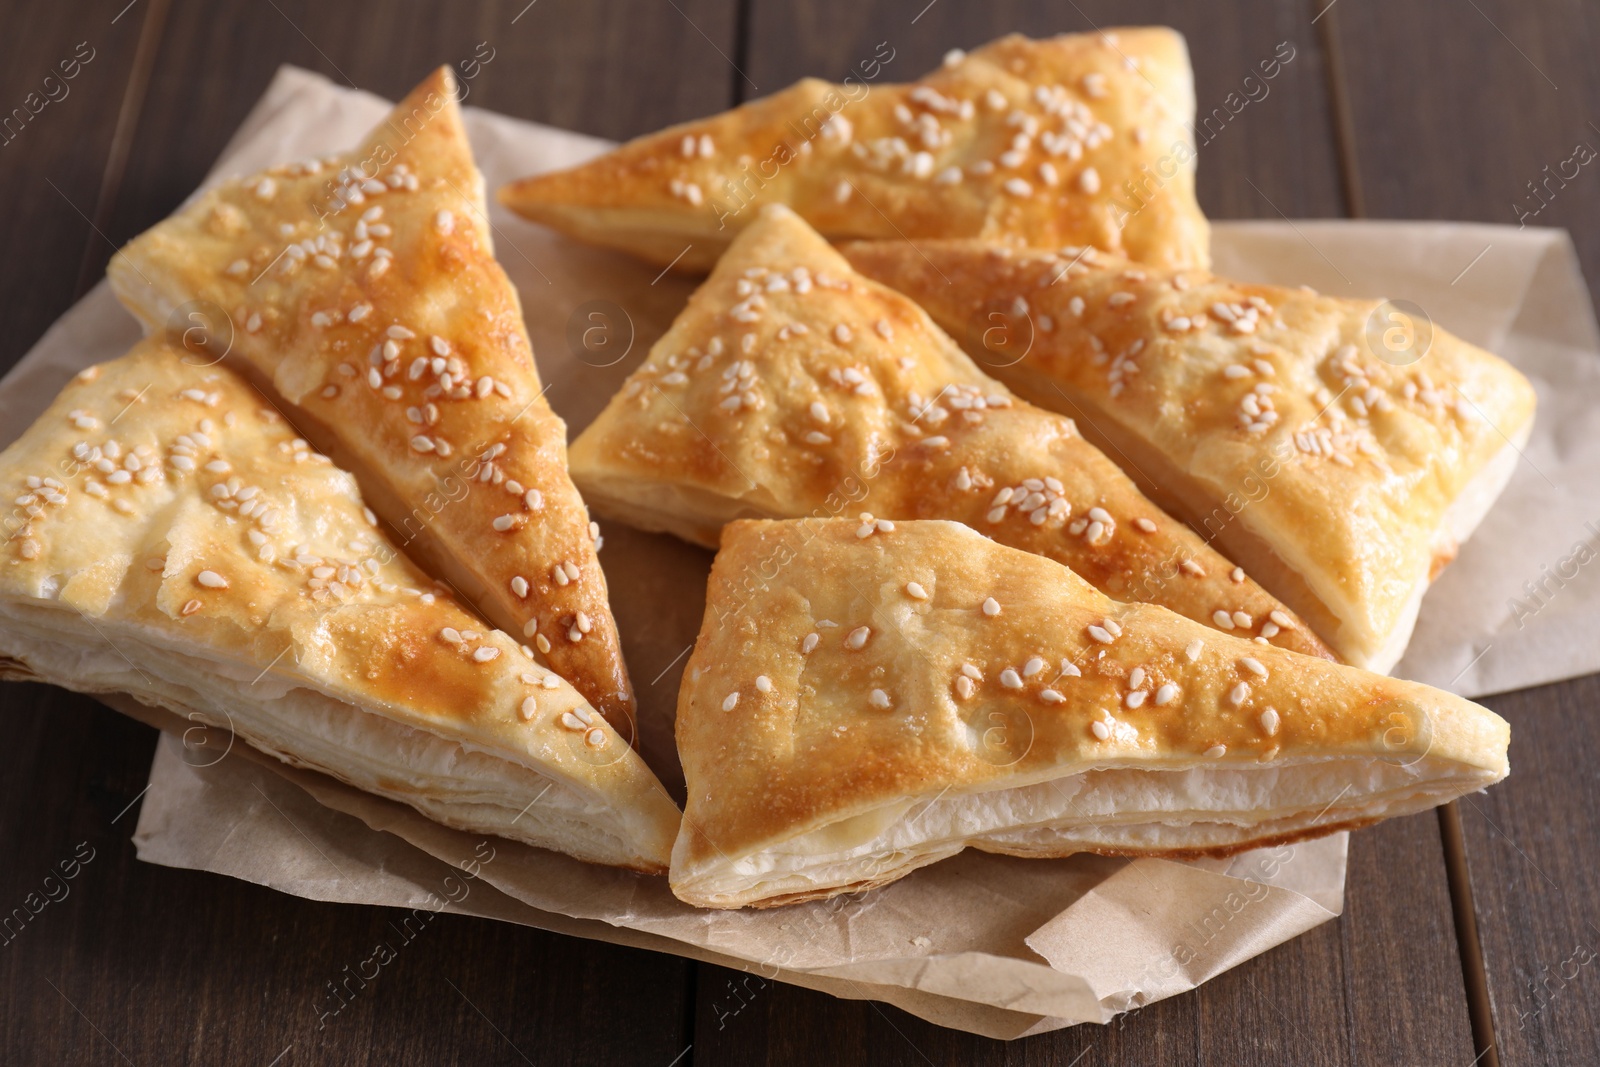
(839, 730)
(792, 386)
(1340, 449)
(174, 539)
(363, 293)
(1082, 138)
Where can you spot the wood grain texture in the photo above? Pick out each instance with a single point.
(56, 137)
(611, 69)
(1449, 112)
(1491, 112)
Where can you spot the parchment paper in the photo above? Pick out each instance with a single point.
(993, 945)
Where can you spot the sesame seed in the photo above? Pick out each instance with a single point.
(763, 683)
(1089, 180)
(1051, 696)
(964, 687)
(528, 708)
(879, 699)
(485, 653)
(1281, 619)
(1254, 666)
(1144, 525)
(1239, 694)
(211, 580)
(1216, 751)
(444, 222)
(1192, 652)
(858, 637)
(1269, 721)
(915, 591)
(991, 607)
(969, 671)
(1070, 669)
(1136, 698)
(1018, 187)
(502, 523)
(1032, 667)
(1010, 679)
(1136, 678)
(1100, 729)
(809, 643)
(731, 701)
(1166, 695)
(1100, 634)
(1242, 620)
(1223, 620)
(519, 585)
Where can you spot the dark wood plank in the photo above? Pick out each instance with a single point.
(1467, 133)
(610, 69)
(1339, 994)
(163, 966)
(56, 135)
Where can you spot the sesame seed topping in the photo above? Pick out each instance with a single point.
(1239, 694)
(809, 643)
(1281, 619)
(1166, 695)
(1144, 525)
(879, 699)
(731, 701)
(1032, 667)
(1010, 679)
(1136, 678)
(485, 653)
(1269, 721)
(991, 607)
(858, 637)
(1253, 665)
(502, 523)
(191, 607)
(1216, 751)
(1223, 620)
(528, 708)
(1101, 635)
(964, 687)
(1136, 698)
(211, 580)
(1089, 180)
(1193, 650)
(763, 683)
(1051, 696)
(519, 585)
(1101, 729)
(915, 591)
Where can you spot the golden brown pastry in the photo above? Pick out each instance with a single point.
(1278, 422)
(1082, 138)
(173, 538)
(364, 295)
(856, 708)
(791, 386)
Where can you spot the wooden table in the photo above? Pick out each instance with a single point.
(1466, 933)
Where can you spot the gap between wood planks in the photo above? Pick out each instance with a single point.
(1474, 975)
